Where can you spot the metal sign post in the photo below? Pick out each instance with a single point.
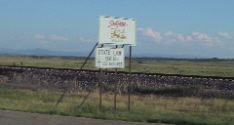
(100, 90)
(115, 90)
(115, 31)
(100, 85)
(129, 84)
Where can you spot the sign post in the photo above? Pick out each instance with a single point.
(130, 71)
(100, 89)
(115, 89)
(115, 31)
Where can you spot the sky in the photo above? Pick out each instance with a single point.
(165, 28)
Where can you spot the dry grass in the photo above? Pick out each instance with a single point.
(151, 108)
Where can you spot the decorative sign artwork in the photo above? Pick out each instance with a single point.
(109, 58)
(118, 31)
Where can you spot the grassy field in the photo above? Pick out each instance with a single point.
(144, 108)
(189, 67)
(151, 108)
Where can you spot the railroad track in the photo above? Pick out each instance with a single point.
(72, 79)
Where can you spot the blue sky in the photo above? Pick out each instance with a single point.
(177, 28)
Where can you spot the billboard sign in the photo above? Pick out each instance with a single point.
(109, 58)
(118, 31)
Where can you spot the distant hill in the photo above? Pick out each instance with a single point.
(45, 52)
(40, 52)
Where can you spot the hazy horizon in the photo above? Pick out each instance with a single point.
(47, 53)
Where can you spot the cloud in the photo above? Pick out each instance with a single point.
(140, 29)
(57, 38)
(39, 36)
(173, 37)
(225, 35)
(86, 39)
(48, 38)
(202, 37)
(153, 34)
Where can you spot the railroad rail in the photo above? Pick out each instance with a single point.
(122, 72)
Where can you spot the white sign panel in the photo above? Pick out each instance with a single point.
(118, 31)
(109, 58)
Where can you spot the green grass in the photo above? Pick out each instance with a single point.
(189, 67)
(151, 108)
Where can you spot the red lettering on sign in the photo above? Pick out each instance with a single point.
(117, 23)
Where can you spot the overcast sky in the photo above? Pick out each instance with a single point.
(180, 28)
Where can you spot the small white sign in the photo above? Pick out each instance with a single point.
(109, 58)
(118, 31)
